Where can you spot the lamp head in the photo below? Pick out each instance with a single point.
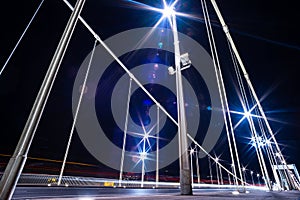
(168, 11)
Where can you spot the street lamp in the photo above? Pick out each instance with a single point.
(217, 170)
(210, 171)
(192, 170)
(229, 179)
(258, 178)
(181, 62)
(197, 166)
(244, 173)
(232, 169)
(184, 61)
(221, 175)
(252, 177)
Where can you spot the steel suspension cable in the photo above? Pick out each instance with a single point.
(214, 50)
(246, 108)
(76, 114)
(244, 102)
(21, 37)
(269, 148)
(258, 147)
(125, 133)
(219, 88)
(217, 171)
(210, 172)
(197, 166)
(157, 147)
(246, 75)
(262, 129)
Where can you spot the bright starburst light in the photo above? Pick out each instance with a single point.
(246, 115)
(144, 145)
(167, 10)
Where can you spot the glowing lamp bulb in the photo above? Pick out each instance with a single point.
(146, 136)
(247, 114)
(168, 11)
(143, 155)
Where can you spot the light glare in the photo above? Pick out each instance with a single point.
(247, 114)
(192, 151)
(168, 11)
(143, 155)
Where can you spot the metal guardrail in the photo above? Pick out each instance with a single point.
(46, 180)
(51, 180)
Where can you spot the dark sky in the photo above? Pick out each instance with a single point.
(266, 34)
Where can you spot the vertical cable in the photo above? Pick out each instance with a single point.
(220, 83)
(76, 114)
(192, 171)
(210, 171)
(197, 165)
(157, 148)
(125, 133)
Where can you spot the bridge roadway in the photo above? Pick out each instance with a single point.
(96, 193)
(44, 186)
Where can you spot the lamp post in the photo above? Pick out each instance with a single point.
(244, 173)
(221, 175)
(198, 168)
(258, 179)
(217, 170)
(192, 170)
(181, 61)
(232, 169)
(210, 171)
(229, 179)
(252, 177)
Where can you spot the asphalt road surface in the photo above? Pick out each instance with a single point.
(83, 193)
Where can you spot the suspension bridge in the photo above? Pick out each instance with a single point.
(143, 148)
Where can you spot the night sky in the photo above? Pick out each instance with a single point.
(266, 34)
